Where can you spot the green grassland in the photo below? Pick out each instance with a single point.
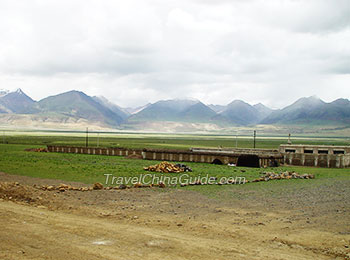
(92, 168)
(168, 141)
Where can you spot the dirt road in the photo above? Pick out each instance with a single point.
(149, 224)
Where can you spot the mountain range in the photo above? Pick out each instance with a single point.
(76, 106)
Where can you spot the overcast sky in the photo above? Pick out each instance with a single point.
(139, 51)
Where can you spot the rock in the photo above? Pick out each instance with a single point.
(184, 167)
(97, 186)
(50, 188)
(122, 187)
(164, 167)
(138, 185)
(266, 176)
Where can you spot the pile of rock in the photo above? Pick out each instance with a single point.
(267, 176)
(63, 187)
(96, 186)
(166, 167)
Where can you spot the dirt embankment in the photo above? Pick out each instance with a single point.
(151, 224)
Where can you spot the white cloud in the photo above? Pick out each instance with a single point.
(135, 52)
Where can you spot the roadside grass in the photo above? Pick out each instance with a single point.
(92, 168)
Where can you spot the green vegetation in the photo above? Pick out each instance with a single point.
(92, 168)
(167, 141)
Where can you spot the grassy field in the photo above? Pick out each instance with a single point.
(92, 168)
(168, 141)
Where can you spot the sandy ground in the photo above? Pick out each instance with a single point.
(156, 224)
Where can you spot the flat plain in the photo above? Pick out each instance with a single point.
(285, 219)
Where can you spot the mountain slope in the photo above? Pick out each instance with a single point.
(263, 111)
(165, 110)
(135, 110)
(337, 111)
(197, 113)
(4, 110)
(239, 113)
(78, 105)
(302, 111)
(17, 102)
(217, 108)
(3, 92)
(114, 108)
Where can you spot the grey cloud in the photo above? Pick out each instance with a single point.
(312, 16)
(136, 52)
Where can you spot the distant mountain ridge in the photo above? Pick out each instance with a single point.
(175, 110)
(114, 108)
(3, 92)
(312, 110)
(17, 102)
(73, 104)
(134, 110)
(240, 113)
(263, 111)
(76, 106)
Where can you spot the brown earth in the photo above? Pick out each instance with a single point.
(159, 224)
